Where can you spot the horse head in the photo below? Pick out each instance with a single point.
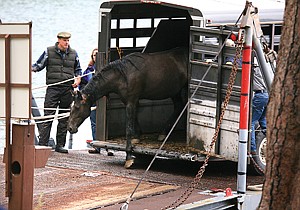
(80, 110)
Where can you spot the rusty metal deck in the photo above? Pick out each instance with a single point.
(79, 185)
(80, 180)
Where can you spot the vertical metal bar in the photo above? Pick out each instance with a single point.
(8, 116)
(219, 89)
(244, 112)
(102, 59)
(101, 128)
(272, 36)
(36, 113)
(266, 69)
(29, 68)
(118, 29)
(134, 37)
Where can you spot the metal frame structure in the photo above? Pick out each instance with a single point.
(111, 34)
(20, 154)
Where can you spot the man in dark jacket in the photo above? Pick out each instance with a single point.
(63, 68)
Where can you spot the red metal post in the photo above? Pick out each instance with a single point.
(244, 112)
(245, 87)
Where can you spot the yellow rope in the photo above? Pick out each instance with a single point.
(119, 52)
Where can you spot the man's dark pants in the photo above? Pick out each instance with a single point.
(61, 97)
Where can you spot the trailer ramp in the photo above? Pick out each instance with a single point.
(220, 201)
(171, 150)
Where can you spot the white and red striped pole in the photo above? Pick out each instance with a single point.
(244, 112)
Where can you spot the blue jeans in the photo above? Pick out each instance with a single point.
(259, 105)
(93, 123)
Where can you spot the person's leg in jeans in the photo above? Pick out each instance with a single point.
(259, 103)
(93, 123)
(263, 120)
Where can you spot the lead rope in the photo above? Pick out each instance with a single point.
(120, 52)
(58, 83)
(200, 173)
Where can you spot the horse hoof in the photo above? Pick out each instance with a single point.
(135, 141)
(161, 137)
(128, 163)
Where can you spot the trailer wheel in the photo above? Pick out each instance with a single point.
(259, 161)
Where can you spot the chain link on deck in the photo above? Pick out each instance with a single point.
(200, 173)
(261, 171)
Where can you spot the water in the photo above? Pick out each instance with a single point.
(49, 17)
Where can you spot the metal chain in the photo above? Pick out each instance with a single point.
(200, 173)
(262, 172)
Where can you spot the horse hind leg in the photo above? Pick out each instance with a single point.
(178, 102)
(129, 157)
(128, 163)
(135, 139)
(137, 133)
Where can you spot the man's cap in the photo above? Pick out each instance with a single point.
(66, 35)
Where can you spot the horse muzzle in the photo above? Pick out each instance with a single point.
(72, 130)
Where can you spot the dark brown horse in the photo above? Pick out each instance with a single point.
(137, 76)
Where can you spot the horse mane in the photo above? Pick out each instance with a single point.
(123, 64)
(136, 60)
(91, 86)
(120, 65)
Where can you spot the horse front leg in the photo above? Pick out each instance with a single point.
(130, 131)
